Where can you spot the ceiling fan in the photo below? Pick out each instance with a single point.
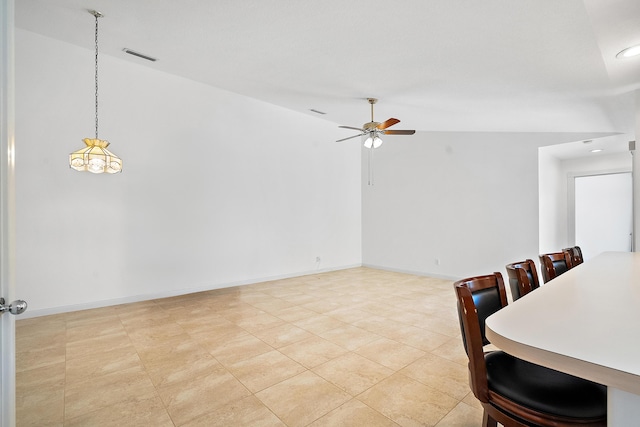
(374, 129)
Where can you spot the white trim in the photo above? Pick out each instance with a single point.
(7, 212)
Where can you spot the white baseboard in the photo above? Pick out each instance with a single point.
(415, 273)
(184, 291)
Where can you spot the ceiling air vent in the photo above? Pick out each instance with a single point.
(139, 55)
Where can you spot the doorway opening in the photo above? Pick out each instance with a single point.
(600, 212)
(557, 172)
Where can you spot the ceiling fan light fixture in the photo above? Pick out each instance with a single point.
(372, 142)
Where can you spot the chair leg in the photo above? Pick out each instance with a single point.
(487, 421)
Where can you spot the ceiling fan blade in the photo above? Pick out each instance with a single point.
(387, 123)
(399, 132)
(351, 127)
(354, 136)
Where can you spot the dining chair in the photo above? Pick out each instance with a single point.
(576, 255)
(523, 278)
(512, 391)
(554, 264)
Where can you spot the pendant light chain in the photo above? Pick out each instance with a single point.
(97, 15)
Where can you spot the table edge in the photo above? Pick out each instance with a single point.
(597, 373)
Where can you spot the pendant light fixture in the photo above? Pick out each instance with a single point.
(95, 157)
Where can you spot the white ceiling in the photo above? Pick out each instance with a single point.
(454, 65)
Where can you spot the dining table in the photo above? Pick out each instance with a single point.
(585, 322)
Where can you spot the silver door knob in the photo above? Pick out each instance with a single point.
(16, 307)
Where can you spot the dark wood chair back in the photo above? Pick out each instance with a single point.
(575, 253)
(478, 298)
(514, 392)
(523, 278)
(554, 264)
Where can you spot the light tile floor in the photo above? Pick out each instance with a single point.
(357, 347)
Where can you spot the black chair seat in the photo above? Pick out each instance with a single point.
(544, 389)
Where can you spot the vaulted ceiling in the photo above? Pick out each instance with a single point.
(455, 65)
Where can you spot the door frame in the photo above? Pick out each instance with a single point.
(571, 197)
(7, 213)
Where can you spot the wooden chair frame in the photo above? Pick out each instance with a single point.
(546, 263)
(519, 280)
(497, 409)
(576, 255)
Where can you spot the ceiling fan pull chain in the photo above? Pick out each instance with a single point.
(370, 168)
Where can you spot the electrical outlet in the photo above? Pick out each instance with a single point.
(318, 259)
(437, 261)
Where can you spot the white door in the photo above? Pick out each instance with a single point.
(603, 213)
(7, 322)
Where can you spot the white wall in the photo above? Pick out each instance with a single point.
(255, 191)
(217, 189)
(553, 204)
(466, 200)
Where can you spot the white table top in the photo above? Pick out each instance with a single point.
(585, 322)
